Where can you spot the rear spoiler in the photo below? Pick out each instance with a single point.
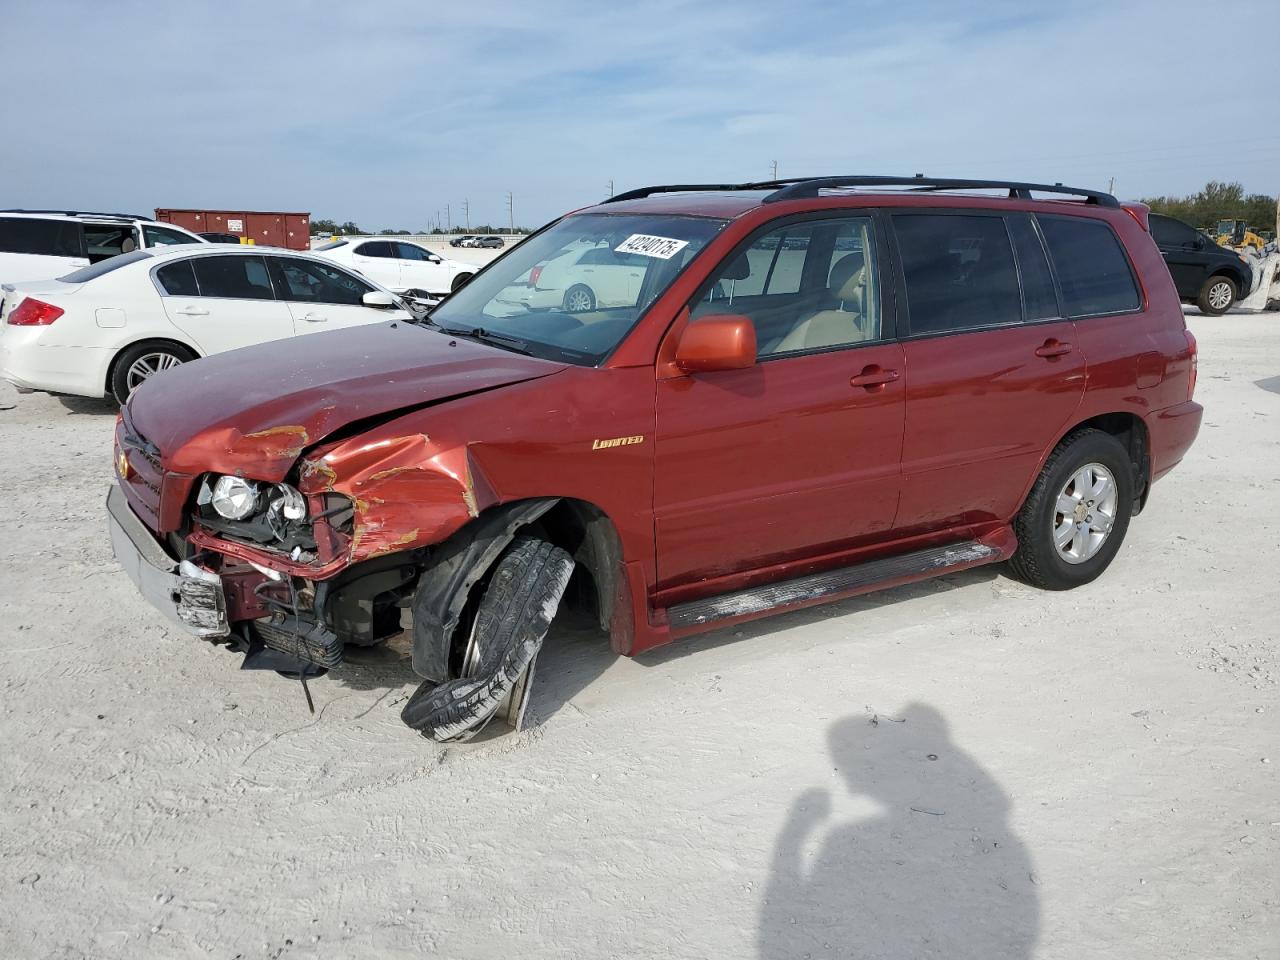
(1140, 212)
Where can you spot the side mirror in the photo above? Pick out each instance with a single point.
(432, 258)
(717, 343)
(379, 298)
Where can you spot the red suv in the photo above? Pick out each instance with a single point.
(682, 408)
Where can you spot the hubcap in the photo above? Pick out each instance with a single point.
(147, 366)
(1085, 513)
(1219, 295)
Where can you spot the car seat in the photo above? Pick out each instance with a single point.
(844, 323)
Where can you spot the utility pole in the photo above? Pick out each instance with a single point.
(511, 215)
(775, 170)
(611, 188)
(448, 219)
(466, 212)
(1111, 187)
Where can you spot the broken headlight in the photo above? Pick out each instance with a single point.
(234, 497)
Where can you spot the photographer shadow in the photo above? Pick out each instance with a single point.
(928, 866)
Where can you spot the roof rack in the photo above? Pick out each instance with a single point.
(83, 213)
(797, 188)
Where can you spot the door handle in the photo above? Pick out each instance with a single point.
(192, 311)
(314, 318)
(873, 377)
(1053, 348)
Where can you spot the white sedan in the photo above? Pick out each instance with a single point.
(399, 265)
(106, 328)
(581, 280)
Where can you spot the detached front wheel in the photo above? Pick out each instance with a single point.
(1075, 518)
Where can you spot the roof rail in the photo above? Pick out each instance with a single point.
(796, 188)
(83, 213)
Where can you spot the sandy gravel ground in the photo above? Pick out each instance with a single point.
(963, 769)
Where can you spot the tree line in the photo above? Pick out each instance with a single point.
(1219, 201)
(348, 228)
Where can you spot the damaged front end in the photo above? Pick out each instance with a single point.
(355, 536)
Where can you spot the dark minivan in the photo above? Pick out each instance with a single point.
(1210, 276)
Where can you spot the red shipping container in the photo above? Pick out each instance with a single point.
(265, 228)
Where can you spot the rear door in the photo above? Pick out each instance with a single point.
(322, 296)
(377, 260)
(223, 301)
(420, 269)
(994, 370)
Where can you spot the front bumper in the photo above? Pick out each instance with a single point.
(188, 596)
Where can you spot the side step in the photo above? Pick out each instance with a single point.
(807, 590)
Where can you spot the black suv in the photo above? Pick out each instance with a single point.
(1210, 276)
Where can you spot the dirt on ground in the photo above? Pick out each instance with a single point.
(966, 768)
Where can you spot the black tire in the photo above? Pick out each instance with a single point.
(511, 621)
(579, 299)
(460, 281)
(1217, 290)
(1038, 561)
(122, 381)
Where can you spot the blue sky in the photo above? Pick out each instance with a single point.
(384, 112)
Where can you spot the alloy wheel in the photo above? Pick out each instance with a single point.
(1085, 513)
(147, 366)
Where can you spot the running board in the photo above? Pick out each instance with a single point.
(819, 586)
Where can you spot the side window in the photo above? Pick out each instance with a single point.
(162, 236)
(178, 279)
(1039, 300)
(1093, 270)
(376, 248)
(1169, 232)
(805, 286)
(109, 240)
(959, 270)
(407, 251)
(47, 238)
(233, 277)
(306, 281)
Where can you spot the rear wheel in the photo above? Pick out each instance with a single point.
(1216, 296)
(1075, 518)
(139, 363)
(579, 299)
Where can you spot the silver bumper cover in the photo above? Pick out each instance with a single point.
(188, 596)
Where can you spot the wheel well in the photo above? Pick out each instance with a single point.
(1129, 429)
(584, 531)
(1226, 273)
(148, 342)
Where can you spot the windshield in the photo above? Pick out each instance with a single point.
(573, 291)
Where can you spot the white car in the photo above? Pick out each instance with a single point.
(398, 265)
(579, 281)
(37, 244)
(104, 329)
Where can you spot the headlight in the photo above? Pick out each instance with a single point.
(234, 497)
(288, 501)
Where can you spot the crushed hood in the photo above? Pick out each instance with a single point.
(256, 409)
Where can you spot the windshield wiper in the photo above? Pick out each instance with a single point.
(499, 340)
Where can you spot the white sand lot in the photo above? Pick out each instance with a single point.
(1101, 787)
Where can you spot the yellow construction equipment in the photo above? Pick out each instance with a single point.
(1237, 235)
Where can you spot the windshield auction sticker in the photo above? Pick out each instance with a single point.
(664, 248)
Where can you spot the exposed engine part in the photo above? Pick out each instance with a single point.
(304, 639)
(366, 610)
(511, 622)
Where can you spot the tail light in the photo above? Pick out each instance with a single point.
(534, 274)
(1195, 363)
(34, 313)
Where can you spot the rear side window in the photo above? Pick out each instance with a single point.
(178, 279)
(105, 266)
(47, 238)
(960, 272)
(378, 248)
(1092, 269)
(233, 277)
(1039, 300)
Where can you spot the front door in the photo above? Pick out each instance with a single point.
(420, 269)
(994, 371)
(224, 301)
(798, 455)
(322, 296)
